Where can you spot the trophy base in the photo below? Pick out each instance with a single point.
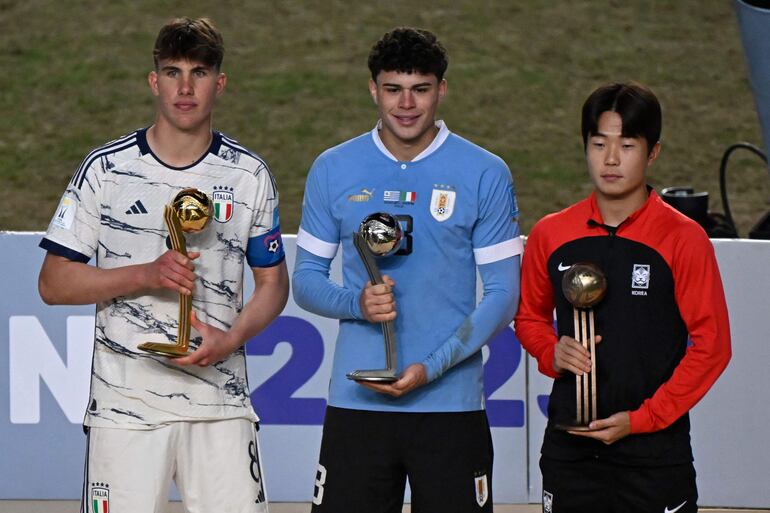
(583, 428)
(167, 350)
(376, 376)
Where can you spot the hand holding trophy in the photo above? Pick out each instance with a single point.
(584, 285)
(378, 235)
(189, 211)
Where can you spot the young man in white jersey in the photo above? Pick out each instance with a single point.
(152, 419)
(457, 207)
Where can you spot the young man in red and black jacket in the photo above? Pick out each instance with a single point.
(663, 324)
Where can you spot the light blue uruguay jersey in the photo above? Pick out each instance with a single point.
(113, 210)
(457, 205)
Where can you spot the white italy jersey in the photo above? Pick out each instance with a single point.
(113, 209)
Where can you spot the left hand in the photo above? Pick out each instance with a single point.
(608, 430)
(413, 377)
(216, 345)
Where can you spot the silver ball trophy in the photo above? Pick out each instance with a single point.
(378, 235)
(584, 285)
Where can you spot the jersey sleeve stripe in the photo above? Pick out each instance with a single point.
(63, 251)
(315, 245)
(505, 249)
(79, 177)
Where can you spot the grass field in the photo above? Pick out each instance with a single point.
(74, 77)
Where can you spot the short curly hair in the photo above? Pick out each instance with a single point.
(194, 40)
(408, 50)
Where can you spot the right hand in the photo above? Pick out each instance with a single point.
(172, 270)
(569, 355)
(377, 302)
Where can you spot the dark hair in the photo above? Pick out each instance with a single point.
(408, 50)
(194, 40)
(637, 106)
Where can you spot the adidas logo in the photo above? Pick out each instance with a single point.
(137, 208)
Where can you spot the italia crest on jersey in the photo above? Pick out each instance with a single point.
(222, 198)
(100, 498)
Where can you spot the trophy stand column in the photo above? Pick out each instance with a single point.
(386, 230)
(584, 285)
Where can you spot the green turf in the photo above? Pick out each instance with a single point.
(73, 77)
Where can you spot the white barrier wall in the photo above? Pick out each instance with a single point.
(45, 369)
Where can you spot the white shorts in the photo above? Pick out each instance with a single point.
(216, 467)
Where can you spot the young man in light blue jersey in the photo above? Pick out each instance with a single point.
(456, 203)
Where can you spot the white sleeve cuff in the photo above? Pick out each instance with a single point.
(315, 245)
(505, 249)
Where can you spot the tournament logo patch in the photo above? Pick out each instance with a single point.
(363, 196)
(442, 203)
(547, 502)
(100, 497)
(482, 489)
(223, 203)
(65, 214)
(640, 276)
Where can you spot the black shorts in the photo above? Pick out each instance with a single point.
(601, 487)
(367, 456)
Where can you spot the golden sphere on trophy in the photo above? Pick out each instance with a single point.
(584, 285)
(193, 209)
(382, 233)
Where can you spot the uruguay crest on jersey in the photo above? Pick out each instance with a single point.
(223, 203)
(442, 203)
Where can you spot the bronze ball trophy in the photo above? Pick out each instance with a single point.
(584, 285)
(378, 235)
(189, 211)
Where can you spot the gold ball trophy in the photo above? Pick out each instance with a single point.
(189, 211)
(584, 285)
(378, 235)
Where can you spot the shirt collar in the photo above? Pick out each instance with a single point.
(443, 133)
(596, 215)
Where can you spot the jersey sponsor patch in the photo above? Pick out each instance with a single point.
(65, 213)
(100, 497)
(674, 510)
(223, 203)
(482, 489)
(442, 203)
(137, 207)
(361, 197)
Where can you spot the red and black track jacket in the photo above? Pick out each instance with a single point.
(663, 286)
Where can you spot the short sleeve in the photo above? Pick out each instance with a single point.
(265, 246)
(319, 230)
(74, 229)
